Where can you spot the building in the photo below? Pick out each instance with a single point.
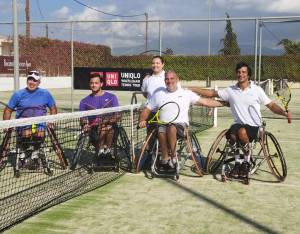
(6, 46)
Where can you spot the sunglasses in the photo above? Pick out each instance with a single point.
(33, 73)
(32, 79)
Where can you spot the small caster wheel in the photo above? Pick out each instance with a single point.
(17, 174)
(49, 172)
(247, 181)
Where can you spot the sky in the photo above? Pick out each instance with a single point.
(182, 38)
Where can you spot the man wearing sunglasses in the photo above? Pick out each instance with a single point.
(31, 101)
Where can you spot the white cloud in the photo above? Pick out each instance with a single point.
(120, 34)
(275, 6)
(286, 6)
(62, 13)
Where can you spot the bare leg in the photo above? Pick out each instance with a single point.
(162, 138)
(172, 139)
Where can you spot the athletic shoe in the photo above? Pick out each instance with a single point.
(163, 165)
(35, 154)
(245, 168)
(235, 172)
(100, 153)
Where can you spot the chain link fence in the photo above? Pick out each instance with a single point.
(191, 48)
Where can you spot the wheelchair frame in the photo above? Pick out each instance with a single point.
(121, 147)
(222, 154)
(189, 142)
(41, 161)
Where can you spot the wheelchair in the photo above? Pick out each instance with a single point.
(119, 156)
(265, 147)
(31, 155)
(188, 151)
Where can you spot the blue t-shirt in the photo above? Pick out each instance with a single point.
(28, 103)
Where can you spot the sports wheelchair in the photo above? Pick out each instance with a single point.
(189, 156)
(119, 156)
(265, 147)
(31, 152)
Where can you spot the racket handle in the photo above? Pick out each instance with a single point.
(289, 117)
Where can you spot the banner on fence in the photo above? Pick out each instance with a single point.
(121, 79)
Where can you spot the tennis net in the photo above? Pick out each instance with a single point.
(35, 168)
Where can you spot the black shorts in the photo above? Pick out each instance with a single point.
(252, 131)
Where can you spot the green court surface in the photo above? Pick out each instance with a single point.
(135, 204)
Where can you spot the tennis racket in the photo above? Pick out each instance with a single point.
(284, 95)
(167, 113)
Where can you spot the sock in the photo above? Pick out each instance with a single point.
(238, 159)
(247, 157)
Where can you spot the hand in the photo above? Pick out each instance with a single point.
(86, 127)
(142, 124)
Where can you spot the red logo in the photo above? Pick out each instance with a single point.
(112, 79)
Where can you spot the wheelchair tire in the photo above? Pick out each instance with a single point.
(193, 152)
(275, 157)
(4, 149)
(198, 151)
(144, 154)
(216, 154)
(123, 148)
(57, 148)
(82, 142)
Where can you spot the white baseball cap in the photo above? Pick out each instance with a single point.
(34, 76)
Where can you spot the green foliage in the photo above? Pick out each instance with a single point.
(169, 51)
(231, 46)
(290, 47)
(53, 55)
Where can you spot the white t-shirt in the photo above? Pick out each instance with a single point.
(245, 104)
(152, 83)
(183, 97)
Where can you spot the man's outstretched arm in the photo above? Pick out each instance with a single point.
(204, 92)
(211, 102)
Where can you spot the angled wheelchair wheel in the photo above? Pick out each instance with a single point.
(193, 152)
(257, 157)
(81, 144)
(275, 156)
(217, 153)
(146, 150)
(57, 148)
(198, 152)
(4, 149)
(123, 149)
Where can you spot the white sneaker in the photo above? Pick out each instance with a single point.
(22, 155)
(171, 164)
(35, 154)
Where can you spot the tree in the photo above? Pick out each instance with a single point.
(290, 47)
(231, 46)
(169, 51)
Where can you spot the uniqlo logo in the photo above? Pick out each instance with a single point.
(112, 79)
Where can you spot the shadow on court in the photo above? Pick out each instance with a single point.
(221, 207)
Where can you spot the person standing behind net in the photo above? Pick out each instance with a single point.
(244, 99)
(31, 101)
(100, 127)
(156, 80)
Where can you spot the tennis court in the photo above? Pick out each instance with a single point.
(135, 204)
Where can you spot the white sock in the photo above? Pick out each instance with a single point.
(247, 157)
(238, 159)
